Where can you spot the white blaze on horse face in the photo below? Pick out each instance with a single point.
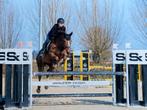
(68, 43)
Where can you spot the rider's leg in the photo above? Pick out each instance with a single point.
(45, 45)
(42, 50)
(48, 41)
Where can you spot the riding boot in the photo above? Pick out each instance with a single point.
(44, 47)
(41, 51)
(47, 44)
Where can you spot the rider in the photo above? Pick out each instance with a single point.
(59, 27)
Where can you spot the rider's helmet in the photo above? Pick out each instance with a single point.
(60, 20)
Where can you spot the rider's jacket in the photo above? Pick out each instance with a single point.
(55, 29)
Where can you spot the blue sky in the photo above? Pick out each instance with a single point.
(128, 33)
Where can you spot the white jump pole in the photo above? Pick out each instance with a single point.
(115, 47)
(40, 26)
(127, 46)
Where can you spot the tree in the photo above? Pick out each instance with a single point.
(99, 44)
(140, 17)
(98, 29)
(10, 27)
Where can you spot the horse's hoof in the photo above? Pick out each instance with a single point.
(46, 87)
(38, 91)
(48, 70)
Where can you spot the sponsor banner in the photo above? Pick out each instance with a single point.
(130, 56)
(77, 73)
(136, 57)
(15, 56)
(119, 57)
(63, 83)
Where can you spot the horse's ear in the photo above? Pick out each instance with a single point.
(70, 33)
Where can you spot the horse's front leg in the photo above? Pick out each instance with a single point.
(54, 58)
(63, 57)
(38, 87)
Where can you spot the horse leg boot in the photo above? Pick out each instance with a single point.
(38, 87)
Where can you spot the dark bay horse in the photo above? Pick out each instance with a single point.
(58, 51)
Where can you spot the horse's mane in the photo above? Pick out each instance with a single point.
(60, 34)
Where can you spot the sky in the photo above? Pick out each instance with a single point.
(128, 33)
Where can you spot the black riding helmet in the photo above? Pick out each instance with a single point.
(60, 20)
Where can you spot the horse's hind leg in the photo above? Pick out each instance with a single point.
(46, 87)
(40, 69)
(38, 87)
(48, 70)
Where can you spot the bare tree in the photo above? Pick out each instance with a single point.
(51, 11)
(10, 27)
(99, 30)
(33, 17)
(55, 9)
(140, 17)
(0, 22)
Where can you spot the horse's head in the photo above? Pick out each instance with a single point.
(68, 40)
(68, 36)
(64, 40)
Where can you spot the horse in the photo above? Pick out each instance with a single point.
(57, 52)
